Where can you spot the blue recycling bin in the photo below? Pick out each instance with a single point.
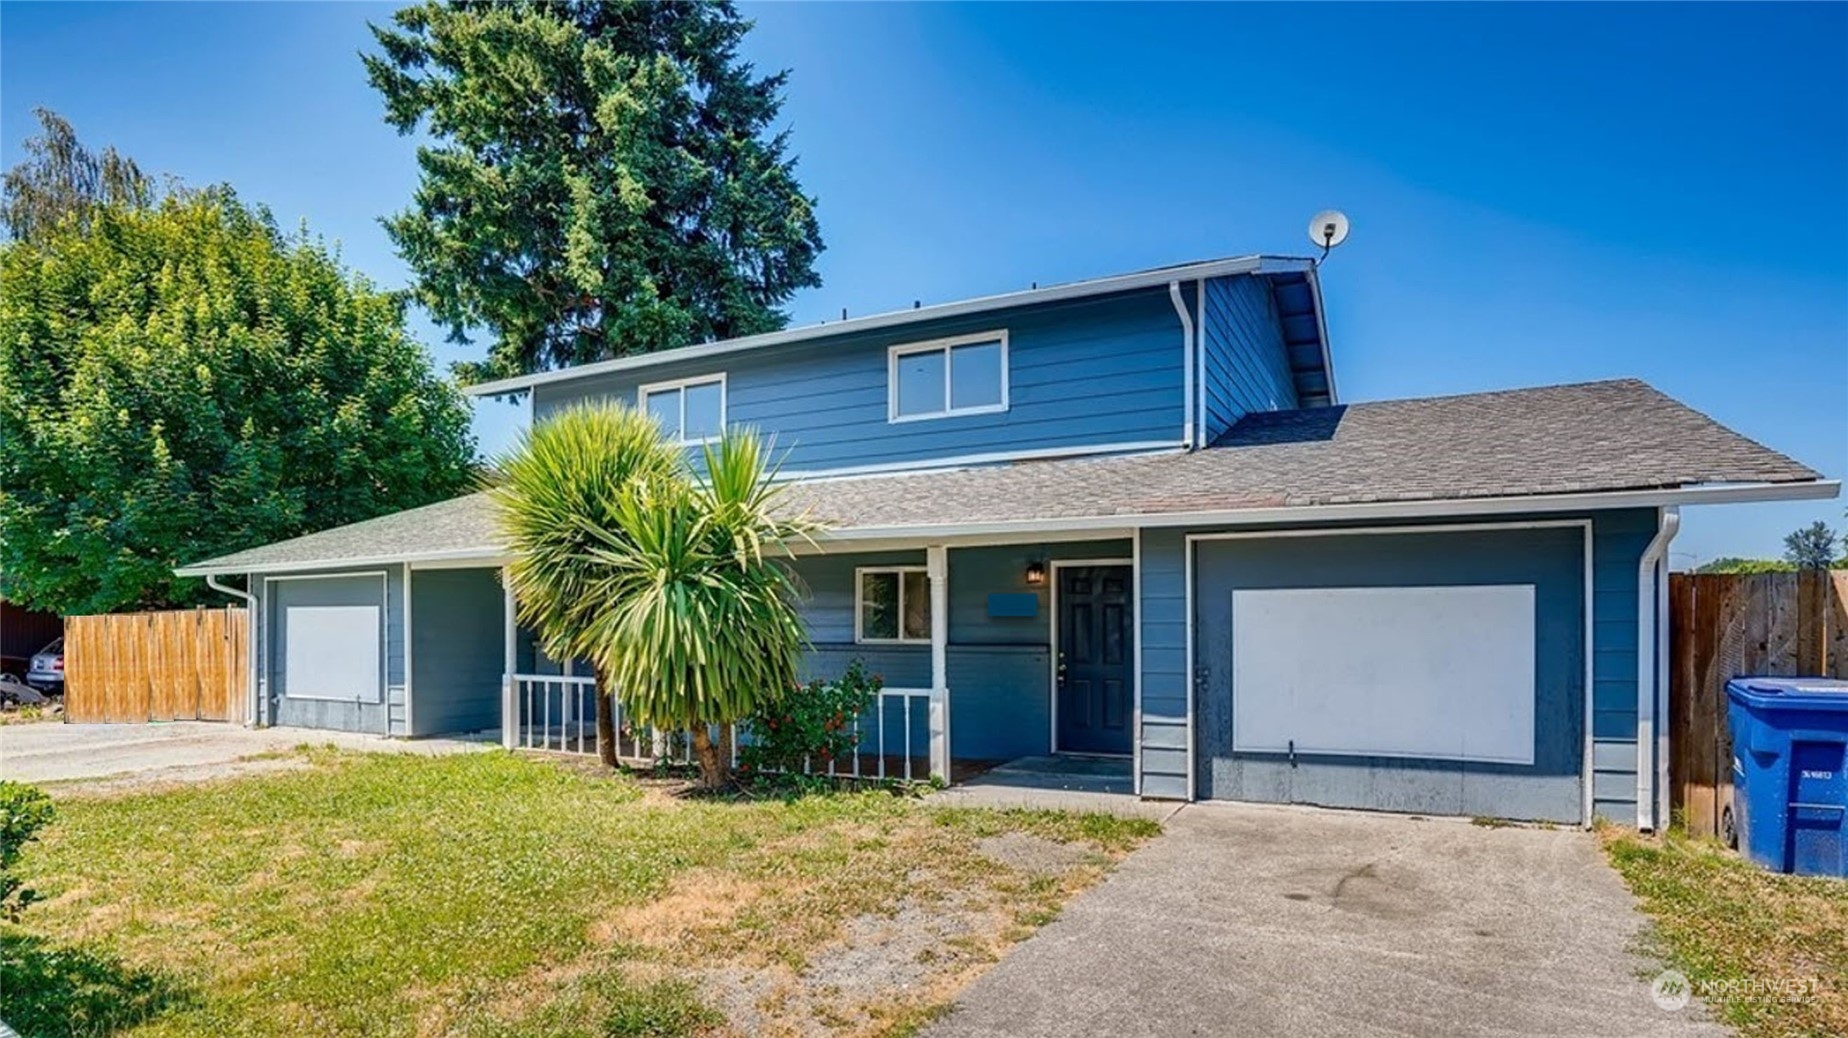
(1790, 772)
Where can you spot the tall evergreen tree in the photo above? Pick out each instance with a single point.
(1811, 547)
(603, 179)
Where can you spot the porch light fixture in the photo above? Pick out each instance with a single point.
(1036, 573)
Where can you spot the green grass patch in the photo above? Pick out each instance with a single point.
(1767, 952)
(491, 894)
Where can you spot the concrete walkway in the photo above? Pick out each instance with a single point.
(50, 751)
(1250, 920)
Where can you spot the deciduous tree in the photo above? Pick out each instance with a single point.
(183, 380)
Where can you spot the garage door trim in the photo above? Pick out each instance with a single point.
(1590, 616)
(384, 623)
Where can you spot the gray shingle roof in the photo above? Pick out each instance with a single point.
(1593, 437)
(458, 525)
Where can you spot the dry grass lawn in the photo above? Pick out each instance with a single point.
(494, 894)
(1768, 953)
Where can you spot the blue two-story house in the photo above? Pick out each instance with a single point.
(1126, 518)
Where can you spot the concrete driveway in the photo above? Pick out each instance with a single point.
(1248, 920)
(180, 751)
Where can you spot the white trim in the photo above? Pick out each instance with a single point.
(1342, 531)
(385, 685)
(937, 577)
(1314, 278)
(960, 461)
(420, 559)
(1135, 584)
(1191, 666)
(1587, 772)
(986, 541)
(1187, 364)
(250, 644)
(859, 610)
(410, 671)
(381, 574)
(510, 657)
(947, 347)
(1663, 815)
(681, 385)
(1648, 624)
(470, 562)
(1032, 529)
(1588, 634)
(1727, 493)
(895, 318)
(1052, 657)
(1199, 430)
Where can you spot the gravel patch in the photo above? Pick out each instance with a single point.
(884, 953)
(1032, 854)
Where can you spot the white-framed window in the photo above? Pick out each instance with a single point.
(891, 604)
(946, 377)
(689, 410)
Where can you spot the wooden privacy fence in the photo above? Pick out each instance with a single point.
(183, 665)
(1726, 625)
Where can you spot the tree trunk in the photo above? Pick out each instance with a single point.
(713, 769)
(606, 721)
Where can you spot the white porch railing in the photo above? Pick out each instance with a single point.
(903, 735)
(559, 713)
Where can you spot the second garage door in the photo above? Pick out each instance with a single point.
(1434, 672)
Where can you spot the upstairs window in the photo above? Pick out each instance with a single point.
(690, 410)
(964, 375)
(892, 604)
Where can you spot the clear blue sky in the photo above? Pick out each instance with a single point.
(1539, 193)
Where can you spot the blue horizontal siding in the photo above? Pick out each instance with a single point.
(1086, 373)
(999, 668)
(457, 650)
(1245, 363)
(1163, 619)
(1618, 540)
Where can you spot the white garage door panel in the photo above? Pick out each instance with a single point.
(1445, 673)
(333, 653)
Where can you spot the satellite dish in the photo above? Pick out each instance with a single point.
(1328, 229)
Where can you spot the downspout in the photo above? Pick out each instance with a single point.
(1649, 631)
(1199, 430)
(1187, 364)
(250, 649)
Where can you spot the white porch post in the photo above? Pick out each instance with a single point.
(510, 710)
(937, 570)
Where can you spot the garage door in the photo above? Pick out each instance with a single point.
(327, 666)
(1432, 672)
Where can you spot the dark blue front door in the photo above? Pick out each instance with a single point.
(1096, 676)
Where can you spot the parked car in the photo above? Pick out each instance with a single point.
(46, 672)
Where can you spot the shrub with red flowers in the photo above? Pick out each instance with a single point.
(810, 724)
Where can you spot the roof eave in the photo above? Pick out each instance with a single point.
(1427, 508)
(1254, 264)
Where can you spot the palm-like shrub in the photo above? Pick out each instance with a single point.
(672, 583)
(557, 498)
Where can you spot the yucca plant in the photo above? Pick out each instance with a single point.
(672, 583)
(701, 623)
(557, 498)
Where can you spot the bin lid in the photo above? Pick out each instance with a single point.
(1791, 693)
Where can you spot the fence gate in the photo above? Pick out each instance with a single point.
(1725, 625)
(181, 665)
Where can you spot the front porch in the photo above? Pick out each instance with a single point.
(986, 674)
